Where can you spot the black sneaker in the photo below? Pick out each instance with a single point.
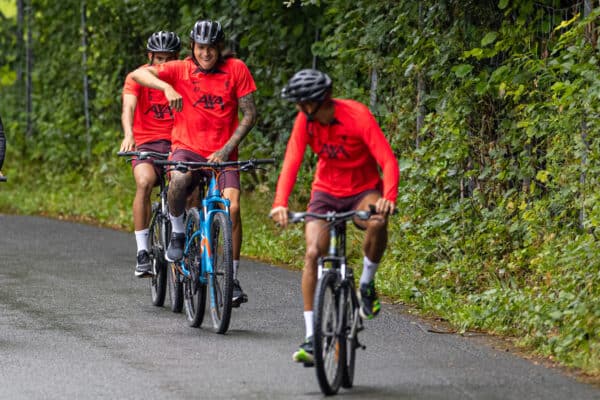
(175, 250)
(369, 302)
(304, 354)
(144, 264)
(239, 296)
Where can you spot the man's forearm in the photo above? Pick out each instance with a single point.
(145, 77)
(246, 124)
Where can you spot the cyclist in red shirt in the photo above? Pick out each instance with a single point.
(350, 147)
(206, 90)
(147, 123)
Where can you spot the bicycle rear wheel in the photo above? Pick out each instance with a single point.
(175, 288)
(221, 279)
(194, 291)
(329, 339)
(350, 335)
(156, 244)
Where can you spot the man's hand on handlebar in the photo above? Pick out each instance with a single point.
(279, 214)
(384, 206)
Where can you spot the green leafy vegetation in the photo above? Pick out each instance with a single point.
(490, 106)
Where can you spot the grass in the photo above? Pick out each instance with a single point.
(549, 305)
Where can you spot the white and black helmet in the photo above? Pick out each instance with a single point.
(207, 32)
(307, 85)
(164, 42)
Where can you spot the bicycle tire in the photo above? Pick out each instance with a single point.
(221, 280)
(158, 281)
(194, 291)
(175, 288)
(329, 351)
(350, 304)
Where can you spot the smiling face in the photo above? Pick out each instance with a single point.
(206, 55)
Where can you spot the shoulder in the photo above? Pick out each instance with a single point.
(352, 105)
(235, 65)
(352, 111)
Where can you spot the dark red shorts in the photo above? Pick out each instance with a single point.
(160, 146)
(227, 179)
(321, 202)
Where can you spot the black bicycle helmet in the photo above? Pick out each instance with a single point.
(164, 42)
(307, 85)
(207, 32)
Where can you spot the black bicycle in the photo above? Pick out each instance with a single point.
(158, 239)
(336, 318)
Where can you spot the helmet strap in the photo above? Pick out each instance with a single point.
(311, 116)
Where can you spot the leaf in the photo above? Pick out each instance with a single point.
(462, 70)
(490, 37)
(503, 4)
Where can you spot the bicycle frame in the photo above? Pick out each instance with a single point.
(211, 205)
(336, 256)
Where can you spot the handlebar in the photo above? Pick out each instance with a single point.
(142, 155)
(185, 166)
(332, 216)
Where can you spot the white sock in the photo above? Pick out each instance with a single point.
(368, 272)
(141, 238)
(236, 265)
(308, 323)
(177, 223)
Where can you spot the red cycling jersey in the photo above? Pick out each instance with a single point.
(152, 119)
(349, 151)
(210, 103)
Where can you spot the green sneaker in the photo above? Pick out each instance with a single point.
(369, 302)
(304, 354)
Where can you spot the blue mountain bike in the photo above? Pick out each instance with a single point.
(207, 264)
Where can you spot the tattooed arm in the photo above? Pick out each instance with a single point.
(248, 108)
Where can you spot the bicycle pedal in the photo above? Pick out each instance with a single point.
(308, 365)
(238, 302)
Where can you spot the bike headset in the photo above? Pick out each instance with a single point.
(209, 33)
(308, 85)
(163, 42)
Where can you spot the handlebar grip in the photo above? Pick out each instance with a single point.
(295, 217)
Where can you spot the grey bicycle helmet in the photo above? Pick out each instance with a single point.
(164, 42)
(307, 85)
(207, 32)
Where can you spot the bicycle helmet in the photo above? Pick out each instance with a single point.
(164, 42)
(207, 32)
(307, 85)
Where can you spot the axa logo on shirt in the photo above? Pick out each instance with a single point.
(333, 151)
(210, 102)
(160, 111)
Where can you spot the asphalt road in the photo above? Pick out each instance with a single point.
(76, 324)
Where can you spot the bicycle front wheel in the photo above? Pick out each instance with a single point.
(221, 279)
(351, 328)
(194, 291)
(156, 244)
(329, 344)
